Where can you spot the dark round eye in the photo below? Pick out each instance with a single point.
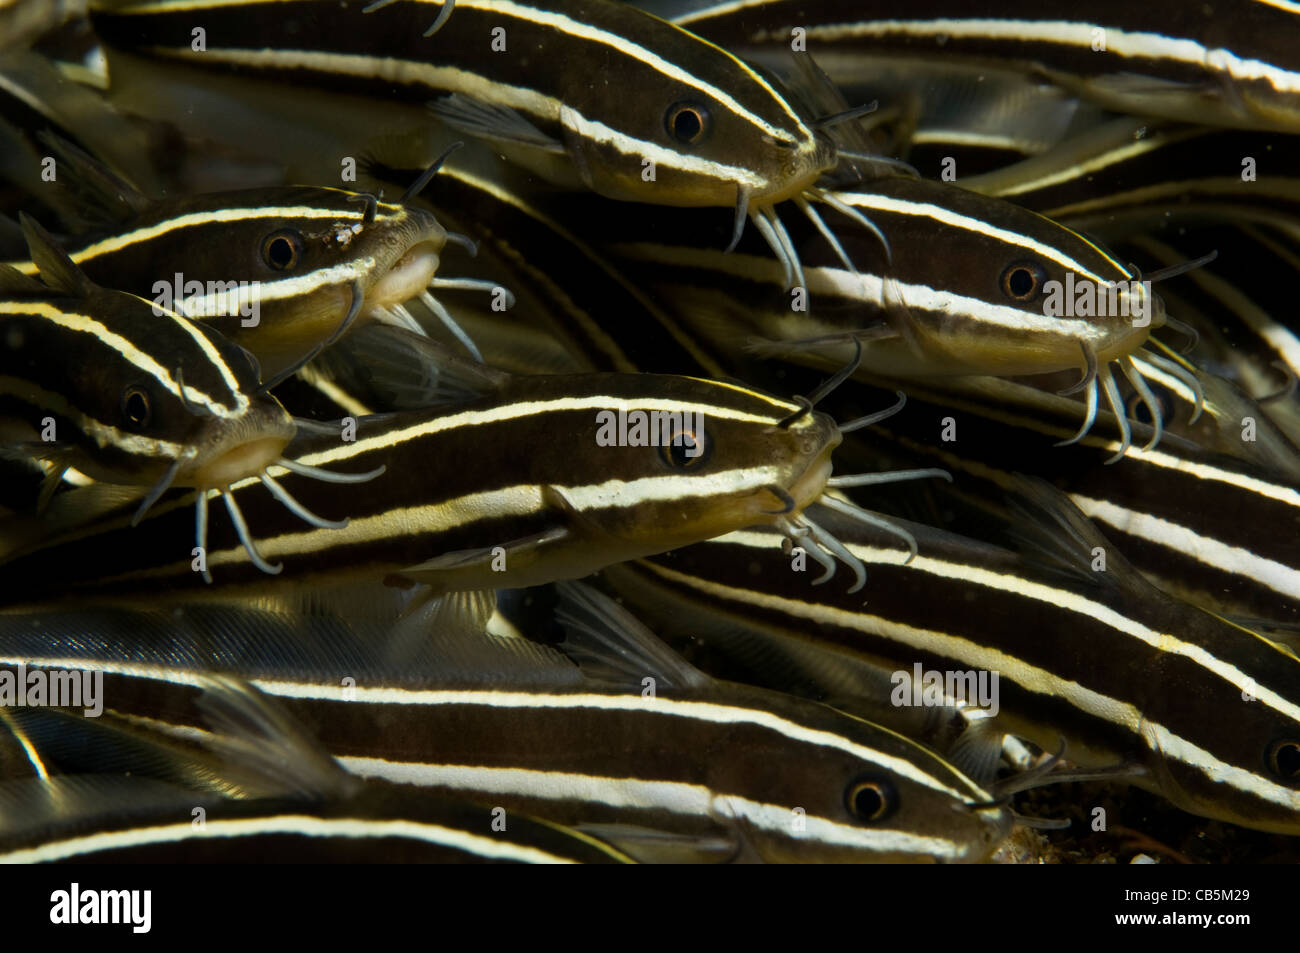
(687, 123)
(1023, 280)
(281, 250)
(686, 450)
(1284, 760)
(136, 408)
(871, 800)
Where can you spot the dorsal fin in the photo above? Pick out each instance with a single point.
(396, 369)
(608, 641)
(12, 245)
(14, 282)
(1051, 532)
(252, 747)
(255, 734)
(102, 197)
(57, 270)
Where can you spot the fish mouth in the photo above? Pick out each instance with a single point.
(242, 450)
(408, 277)
(1158, 312)
(997, 824)
(802, 169)
(812, 483)
(809, 485)
(245, 460)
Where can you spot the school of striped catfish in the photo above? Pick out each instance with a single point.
(667, 431)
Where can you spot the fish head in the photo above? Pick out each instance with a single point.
(688, 124)
(983, 286)
(685, 459)
(277, 269)
(170, 396)
(1230, 750)
(839, 789)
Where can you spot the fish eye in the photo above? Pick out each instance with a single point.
(686, 450)
(136, 407)
(1023, 280)
(1284, 760)
(281, 250)
(871, 800)
(687, 123)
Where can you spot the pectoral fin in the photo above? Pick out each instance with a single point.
(487, 121)
(516, 552)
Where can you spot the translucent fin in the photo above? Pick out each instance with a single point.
(56, 268)
(604, 636)
(650, 846)
(978, 750)
(486, 121)
(254, 733)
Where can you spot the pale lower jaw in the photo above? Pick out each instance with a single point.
(810, 486)
(405, 280)
(246, 460)
(794, 190)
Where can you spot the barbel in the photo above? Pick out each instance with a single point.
(563, 281)
(974, 287)
(711, 132)
(565, 511)
(643, 463)
(275, 270)
(1230, 66)
(519, 736)
(1208, 528)
(1123, 672)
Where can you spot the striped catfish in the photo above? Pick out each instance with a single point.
(974, 286)
(1233, 64)
(1131, 174)
(955, 123)
(562, 282)
(1208, 528)
(547, 477)
(1244, 324)
(36, 98)
(1240, 308)
(277, 270)
(1175, 699)
(690, 769)
(1169, 194)
(705, 131)
(944, 119)
(122, 391)
(130, 821)
(116, 788)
